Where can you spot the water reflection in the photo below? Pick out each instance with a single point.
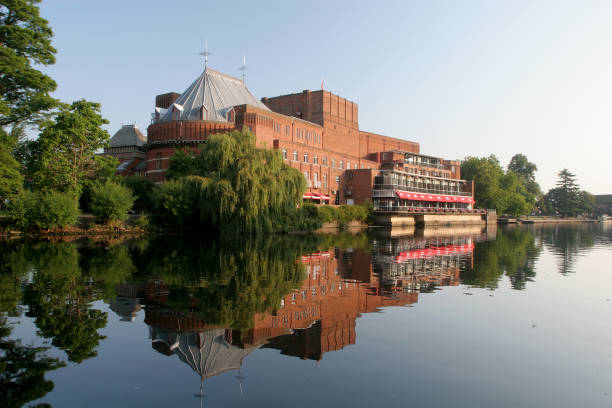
(210, 303)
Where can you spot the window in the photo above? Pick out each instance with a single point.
(356, 165)
(285, 154)
(305, 157)
(295, 156)
(324, 181)
(325, 160)
(341, 164)
(315, 177)
(333, 162)
(158, 162)
(306, 175)
(315, 159)
(348, 165)
(337, 179)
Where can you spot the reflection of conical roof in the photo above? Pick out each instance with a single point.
(128, 135)
(206, 352)
(217, 92)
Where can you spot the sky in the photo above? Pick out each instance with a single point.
(462, 78)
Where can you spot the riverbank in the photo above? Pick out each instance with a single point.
(86, 226)
(544, 220)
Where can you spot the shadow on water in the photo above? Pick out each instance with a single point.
(211, 302)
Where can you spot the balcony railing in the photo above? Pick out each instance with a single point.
(394, 187)
(430, 210)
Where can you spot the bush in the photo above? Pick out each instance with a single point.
(327, 213)
(143, 190)
(177, 202)
(43, 210)
(111, 201)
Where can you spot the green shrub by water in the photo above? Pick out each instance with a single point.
(43, 210)
(111, 201)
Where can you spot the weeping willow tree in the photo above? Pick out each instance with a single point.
(232, 185)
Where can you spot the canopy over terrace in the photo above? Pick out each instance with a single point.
(315, 196)
(405, 195)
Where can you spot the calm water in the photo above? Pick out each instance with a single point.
(450, 317)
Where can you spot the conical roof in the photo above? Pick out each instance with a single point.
(214, 90)
(128, 135)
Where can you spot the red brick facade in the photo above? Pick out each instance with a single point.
(316, 131)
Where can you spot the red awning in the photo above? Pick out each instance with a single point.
(405, 195)
(315, 196)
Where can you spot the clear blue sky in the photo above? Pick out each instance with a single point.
(459, 77)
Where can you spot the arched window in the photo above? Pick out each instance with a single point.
(295, 156)
(285, 154)
(305, 157)
(315, 159)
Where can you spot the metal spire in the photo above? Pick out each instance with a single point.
(205, 53)
(243, 68)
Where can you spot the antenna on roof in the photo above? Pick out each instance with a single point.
(243, 68)
(205, 53)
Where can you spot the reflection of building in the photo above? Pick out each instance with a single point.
(209, 352)
(318, 317)
(420, 264)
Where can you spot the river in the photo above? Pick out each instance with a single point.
(518, 317)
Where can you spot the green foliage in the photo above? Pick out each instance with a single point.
(111, 201)
(25, 40)
(43, 210)
(566, 199)
(177, 203)
(345, 213)
(59, 300)
(143, 190)
(525, 170)
(182, 164)
(64, 156)
(242, 188)
(226, 281)
(11, 179)
(506, 192)
(22, 370)
(512, 253)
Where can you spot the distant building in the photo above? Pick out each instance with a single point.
(603, 204)
(128, 146)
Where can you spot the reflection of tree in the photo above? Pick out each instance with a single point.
(513, 253)
(226, 282)
(22, 371)
(13, 267)
(59, 299)
(567, 241)
(108, 267)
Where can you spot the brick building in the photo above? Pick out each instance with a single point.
(317, 133)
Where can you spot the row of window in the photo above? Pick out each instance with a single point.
(308, 135)
(315, 160)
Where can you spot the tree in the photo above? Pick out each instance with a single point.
(566, 199)
(505, 192)
(521, 166)
(111, 201)
(64, 156)
(243, 188)
(11, 179)
(25, 39)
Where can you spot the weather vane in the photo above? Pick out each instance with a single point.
(205, 53)
(243, 68)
